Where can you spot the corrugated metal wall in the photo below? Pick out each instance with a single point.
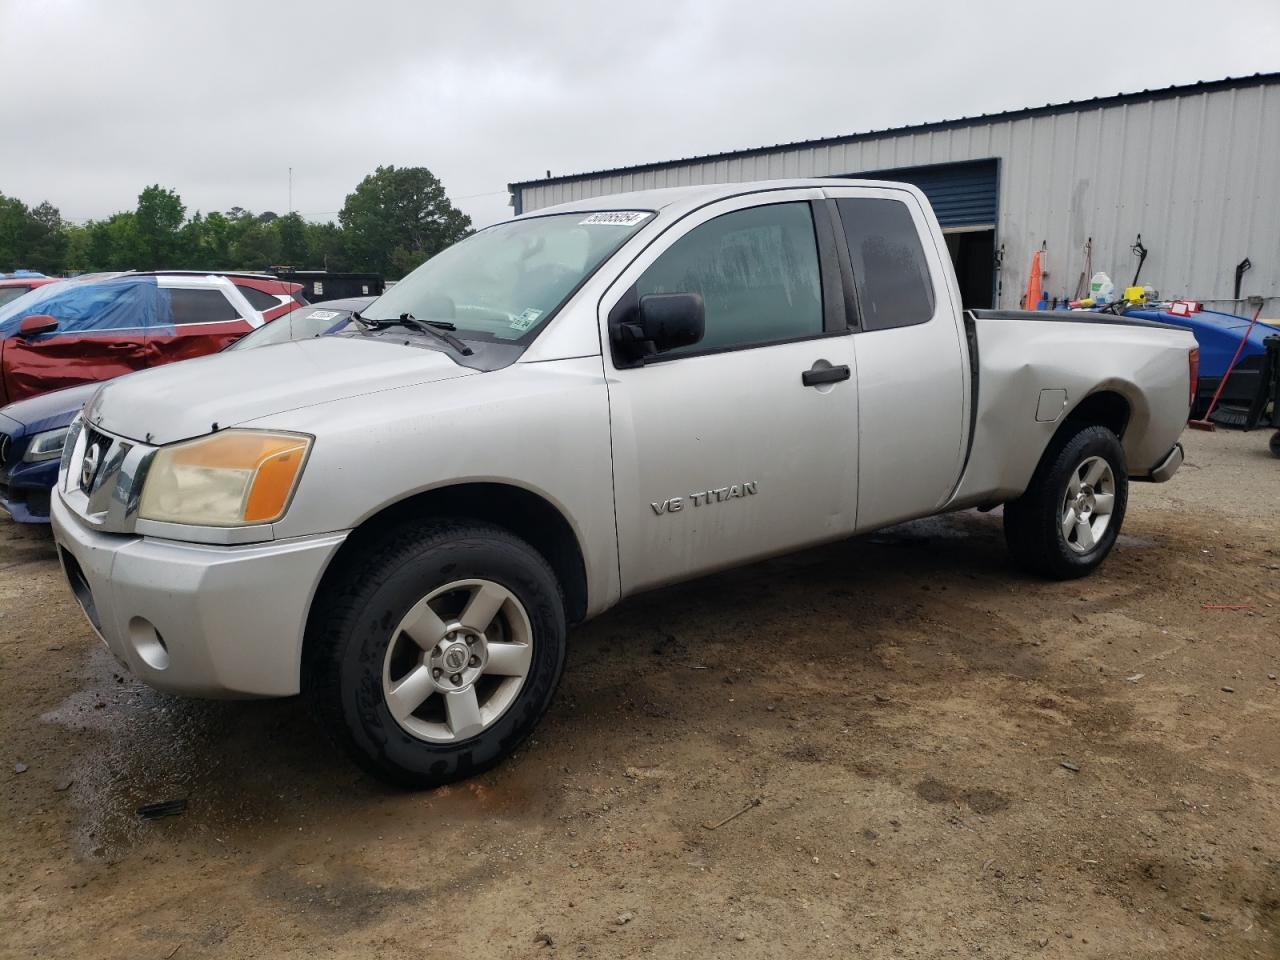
(1196, 175)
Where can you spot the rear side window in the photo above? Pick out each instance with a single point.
(201, 306)
(258, 299)
(889, 268)
(10, 293)
(757, 271)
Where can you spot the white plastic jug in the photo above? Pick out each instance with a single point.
(1101, 289)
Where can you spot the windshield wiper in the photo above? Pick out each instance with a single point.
(436, 328)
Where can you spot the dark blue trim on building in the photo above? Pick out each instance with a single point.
(962, 194)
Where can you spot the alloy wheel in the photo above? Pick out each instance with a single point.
(457, 660)
(1088, 504)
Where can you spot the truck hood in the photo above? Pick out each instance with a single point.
(188, 399)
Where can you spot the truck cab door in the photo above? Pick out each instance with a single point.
(205, 316)
(744, 444)
(913, 370)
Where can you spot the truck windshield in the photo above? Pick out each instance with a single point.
(505, 281)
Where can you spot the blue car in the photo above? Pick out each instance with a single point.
(31, 437)
(1219, 336)
(32, 431)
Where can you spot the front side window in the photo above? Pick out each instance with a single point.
(757, 272)
(889, 268)
(506, 281)
(89, 306)
(201, 306)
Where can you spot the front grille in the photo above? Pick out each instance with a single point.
(100, 473)
(97, 446)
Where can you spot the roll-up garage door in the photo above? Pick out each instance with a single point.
(963, 195)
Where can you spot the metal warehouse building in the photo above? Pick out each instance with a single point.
(1190, 173)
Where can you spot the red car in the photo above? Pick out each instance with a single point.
(95, 328)
(12, 287)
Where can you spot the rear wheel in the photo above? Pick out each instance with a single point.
(1275, 443)
(1068, 519)
(439, 653)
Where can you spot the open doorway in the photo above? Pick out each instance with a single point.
(973, 251)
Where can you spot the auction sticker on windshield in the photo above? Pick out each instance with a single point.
(526, 319)
(615, 218)
(321, 315)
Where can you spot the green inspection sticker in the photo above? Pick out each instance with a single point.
(525, 320)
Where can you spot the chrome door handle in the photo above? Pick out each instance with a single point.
(816, 375)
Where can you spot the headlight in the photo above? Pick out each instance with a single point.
(46, 446)
(229, 479)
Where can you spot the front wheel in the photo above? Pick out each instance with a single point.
(1275, 443)
(438, 652)
(1066, 522)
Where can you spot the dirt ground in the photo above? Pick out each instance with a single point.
(951, 759)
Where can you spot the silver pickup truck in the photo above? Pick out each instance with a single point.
(563, 410)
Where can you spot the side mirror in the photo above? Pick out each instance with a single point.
(37, 324)
(659, 322)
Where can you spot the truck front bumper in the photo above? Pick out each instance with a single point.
(205, 621)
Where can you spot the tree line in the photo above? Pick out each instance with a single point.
(396, 218)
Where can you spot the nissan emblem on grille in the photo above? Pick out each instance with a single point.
(4, 448)
(89, 465)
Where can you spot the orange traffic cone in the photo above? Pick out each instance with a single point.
(1033, 284)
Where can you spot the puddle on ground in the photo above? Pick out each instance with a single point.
(250, 771)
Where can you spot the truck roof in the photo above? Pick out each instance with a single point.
(680, 200)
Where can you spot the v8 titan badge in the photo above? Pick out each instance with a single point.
(705, 498)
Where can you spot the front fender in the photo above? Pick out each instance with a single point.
(542, 427)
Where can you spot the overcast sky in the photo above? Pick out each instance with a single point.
(218, 99)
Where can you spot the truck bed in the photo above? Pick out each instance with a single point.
(1032, 369)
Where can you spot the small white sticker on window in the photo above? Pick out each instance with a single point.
(526, 319)
(616, 218)
(321, 315)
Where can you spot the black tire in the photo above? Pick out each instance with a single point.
(1033, 524)
(352, 625)
(1275, 444)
